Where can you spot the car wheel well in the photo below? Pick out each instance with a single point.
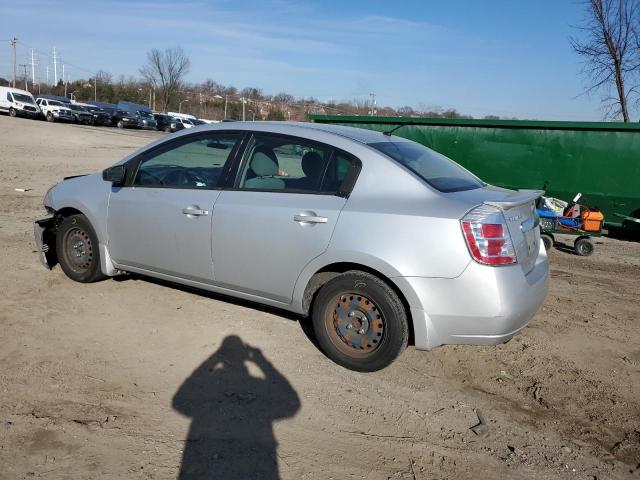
(328, 272)
(67, 212)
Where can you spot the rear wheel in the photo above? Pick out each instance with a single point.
(583, 246)
(77, 249)
(360, 322)
(12, 112)
(547, 240)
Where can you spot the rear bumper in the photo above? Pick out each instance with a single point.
(483, 306)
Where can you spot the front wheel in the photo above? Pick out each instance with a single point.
(12, 112)
(547, 240)
(360, 322)
(120, 124)
(50, 117)
(77, 249)
(583, 246)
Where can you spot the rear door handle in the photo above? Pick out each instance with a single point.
(195, 211)
(310, 219)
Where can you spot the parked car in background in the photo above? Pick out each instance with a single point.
(55, 110)
(185, 122)
(100, 116)
(167, 123)
(141, 112)
(375, 237)
(124, 119)
(18, 102)
(81, 114)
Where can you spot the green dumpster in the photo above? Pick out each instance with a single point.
(599, 159)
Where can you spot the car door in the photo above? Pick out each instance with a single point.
(280, 214)
(160, 221)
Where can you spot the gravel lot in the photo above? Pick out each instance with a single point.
(119, 379)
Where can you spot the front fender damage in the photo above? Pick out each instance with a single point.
(45, 236)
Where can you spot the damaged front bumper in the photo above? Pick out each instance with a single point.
(44, 232)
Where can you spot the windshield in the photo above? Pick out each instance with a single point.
(76, 107)
(56, 103)
(21, 97)
(142, 113)
(437, 170)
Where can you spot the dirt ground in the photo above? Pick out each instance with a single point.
(121, 378)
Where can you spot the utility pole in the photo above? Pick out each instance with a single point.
(14, 40)
(33, 68)
(244, 102)
(373, 110)
(225, 106)
(24, 67)
(95, 88)
(55, 67)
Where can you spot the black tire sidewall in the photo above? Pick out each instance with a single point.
(547, 240)
(583, 247)
(94, 273)
(395, 337)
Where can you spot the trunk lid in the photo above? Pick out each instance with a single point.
(518, 208)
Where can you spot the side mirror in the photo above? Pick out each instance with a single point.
(114, 175)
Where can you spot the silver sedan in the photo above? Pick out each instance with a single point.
(376, 238)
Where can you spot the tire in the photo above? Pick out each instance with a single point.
(167, 129)
(547, 240)
(12, 112)
(50, 117)
(120, 124)
(77, 250)
(583, 246)
(360, 322)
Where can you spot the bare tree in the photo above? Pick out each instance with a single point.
(610, 56)
(165, 70)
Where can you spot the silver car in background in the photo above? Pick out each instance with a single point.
(378, 239)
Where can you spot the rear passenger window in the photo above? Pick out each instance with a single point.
(291, 165)
(196, 164)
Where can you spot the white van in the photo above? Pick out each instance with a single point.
(18, 102)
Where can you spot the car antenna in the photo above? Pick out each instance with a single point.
(390, 132)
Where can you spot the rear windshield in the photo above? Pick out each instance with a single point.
(437, 170)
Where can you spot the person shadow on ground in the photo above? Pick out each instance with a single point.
(231, 434)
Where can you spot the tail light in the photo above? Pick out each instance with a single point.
(488, 238)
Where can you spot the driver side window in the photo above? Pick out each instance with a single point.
(194, 164)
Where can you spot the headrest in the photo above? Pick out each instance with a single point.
(311, 164)
(263, 166)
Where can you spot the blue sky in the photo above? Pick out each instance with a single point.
(508, 58)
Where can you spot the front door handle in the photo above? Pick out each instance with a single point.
(194, 211)
(302, 218)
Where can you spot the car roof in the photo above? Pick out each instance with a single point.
(359, 135)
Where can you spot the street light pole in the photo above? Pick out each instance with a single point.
(180, 105)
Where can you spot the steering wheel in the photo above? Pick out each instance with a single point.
(185, 178)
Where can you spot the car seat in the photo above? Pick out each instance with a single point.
(265, 169)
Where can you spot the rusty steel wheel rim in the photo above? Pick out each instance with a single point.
(78, 250)
(355, 324)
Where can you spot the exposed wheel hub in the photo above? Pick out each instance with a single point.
(357, 323)
(78, 249)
